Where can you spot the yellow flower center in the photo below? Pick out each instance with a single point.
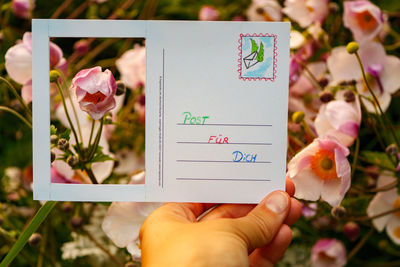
(396, 232)
(323, 164)
(94, 98)
(396, 205)
(366, 21)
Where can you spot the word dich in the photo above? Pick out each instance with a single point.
(239, 156)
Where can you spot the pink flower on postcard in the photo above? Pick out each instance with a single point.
(208, 13)
(23, 8)
(95, 91)
(132, 66)
(339, 119)
(321, 170)
(363, 18)
(264, 10)
(386, 201)
(19, 63)
(306, 12)
(328, 252)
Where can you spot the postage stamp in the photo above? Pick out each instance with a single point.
(257, 57)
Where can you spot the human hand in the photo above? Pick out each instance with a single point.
(229, 235)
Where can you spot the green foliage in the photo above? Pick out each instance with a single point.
(260, 56)
(254, 46)
(99, 156)
(66, 134)
(53, 129)
(379, 158)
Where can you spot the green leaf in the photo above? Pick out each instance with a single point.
(53, 129)
(66, 134)
(99, 156)
(260, 56)
(254, 46)
(379, 158)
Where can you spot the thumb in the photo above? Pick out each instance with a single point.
(259, 227)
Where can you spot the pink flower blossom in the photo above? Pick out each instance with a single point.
(306, 12)
(309, 210)
(95, 91)
(132, 66)
(19, 63)
(384, 71)
(58, 178)
(140, 108)
(339, 119)
(264, 10)
(385, 201)
(328, 253)
(363, 18)
(321, 170)
(23, 8)
(208, 13)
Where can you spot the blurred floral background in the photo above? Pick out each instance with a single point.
(343, 132)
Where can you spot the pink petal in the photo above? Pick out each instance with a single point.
(392, 225)
(350, 128)
(377, 206)
(390, 77)
(343, 169)
(26, 92)
(19, 63)
(332, 192)
(308, 185)
(343, 66)
(332, 248)
(55, 54)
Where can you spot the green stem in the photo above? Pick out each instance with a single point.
(12, 89)
(376, 100)
(16, 114)
(76, 117)
(91, 132)
(96, 141)
(360, 244)
(29, 230)
(69, 118)
(90, 174)
(355, 157)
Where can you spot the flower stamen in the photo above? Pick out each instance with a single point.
(323, 164)
(366, 20)
(94, 98)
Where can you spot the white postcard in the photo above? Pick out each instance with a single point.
(216, 110)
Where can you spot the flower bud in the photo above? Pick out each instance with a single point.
(323, 82)
(352, 47)
(392, 150)
(326, 97)
(121, 88)
(53, 139)
(108, 119)
(349, 96)
(52, 156)
(54, 75)
(67, 207)
(81, 47)
(76, 221)
(338, 212)
(298, 116)
(63, 144)
(72, 160)
(35, 239)
(351, 230)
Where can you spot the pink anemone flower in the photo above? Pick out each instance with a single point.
(95, 91)
(328, 253)
(321, 170)
(386, 201)
(363, 18)
(306, 12)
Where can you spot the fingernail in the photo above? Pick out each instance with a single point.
(277, 202)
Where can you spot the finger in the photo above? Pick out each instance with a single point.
(294, 212)
(261, 224)
(184, 212)
(290, 189)
(228, 211)
(271, 254)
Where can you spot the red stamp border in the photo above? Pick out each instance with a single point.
(240, 57)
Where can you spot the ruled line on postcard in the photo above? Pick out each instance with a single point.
(208, 143)
(223, 179)
(227, 124)
(219, 161)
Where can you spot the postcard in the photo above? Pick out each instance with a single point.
(216, 110)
